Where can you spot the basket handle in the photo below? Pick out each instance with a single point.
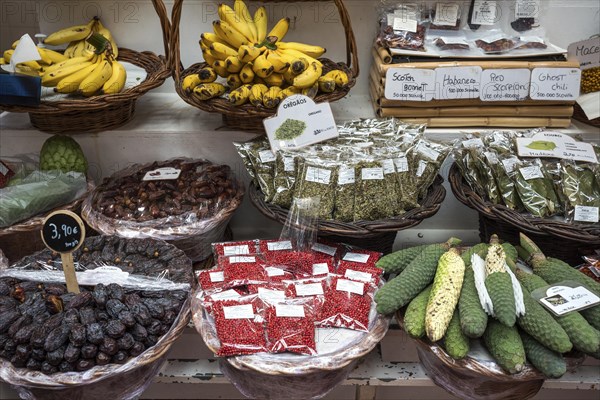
(165, 25)
(174, 60)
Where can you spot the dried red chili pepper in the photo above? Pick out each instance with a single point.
(291, 326)
(347, 304)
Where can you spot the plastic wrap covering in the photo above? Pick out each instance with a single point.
(149, 274)
(190, 211)
(3, 260)
(294, 376)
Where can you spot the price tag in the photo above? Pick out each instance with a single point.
(162, 174)
(320, 269)
(289, 310)
(274, 271)
(271, 294)
(401, 164)
(236, 250)
(237, 260)
(358, 275)
(318, 175)
(346, 175)
(288, 164)
(369, 174)
(405, 18)
(309, 289)
(421, 168)
(243, 311)
(505, 84)
(586, 214)
(345, 285)
(409, 84)
(527, 8)
(266, 156)
(509, 164)
(458, 82)
(356, 257)
(427, 151)
(225, 295)
(282, 245)
(555, 83)
(63, 232)
(300, 122)
(323, 248)
(388, 166)
(484, 12)
(218, 276)
(587, 52)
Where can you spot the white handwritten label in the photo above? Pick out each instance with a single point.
(289, 310)
(274, 271)
(320, 269)
(237, 260)
(527, 9)
(446, 14)
(358, 275)
(346, 175)
(505, 84)
(427, 151)
(586, 214)
(161, 174)
(555, 83)
(323, 248)
(369, 174)
(405, 18)
(243, 311)
(531, 172)
(236, 250)
(587, 52)
(281, 245)
(318, 175)
(345, 285)
(218, 276)
(401, 164)
(484, 12)
(402, 24)
(410, 84)
(458, 82)
(563, 299)
(309, 289)
(356, 257)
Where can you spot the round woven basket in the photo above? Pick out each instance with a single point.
(248, 117)
(372, 235)
(580, 116)
(104, 112)
(24, 238)
(558, 239)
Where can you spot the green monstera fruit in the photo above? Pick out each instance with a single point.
(62, 153)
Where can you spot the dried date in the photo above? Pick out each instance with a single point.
(115, 328)
(57, 337)
(102, 359)
(94, 333)
(114, 307)
(48, 368)
(120, 357)
(100, 295)
(141, 314)
(125, 342)
(139, 333)
(115, 292)
(38, 354)
(137, 349)
(72, 353)
(87, 316)
(65, 367)
(84, 365)
(22, 321)
(108, 346)
(80, 300)
(7, 318)
(34, 365)
(89, 351)
(77, 336)
(57, 356)
(127, 319)
(23, 335)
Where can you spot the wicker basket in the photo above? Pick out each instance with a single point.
(24, 238)
(372, 235)
(558, 239)
(248, 117)
(104, 112)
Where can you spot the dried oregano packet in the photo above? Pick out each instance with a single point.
(316, 179)
(581, 186)
(372, 200)
(263, 162)
(284, 179)
(426, 158)
(243, 150)
(344, 193)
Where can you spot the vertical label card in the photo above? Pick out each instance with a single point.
(555, 83)
(505, 84)
(586, 52)
(457, 83)
(410, 84)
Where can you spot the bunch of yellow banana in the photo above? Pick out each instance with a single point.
(76, 37)
(259, 67)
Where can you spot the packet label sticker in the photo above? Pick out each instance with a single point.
(238, 259)
(421, 168)
(453, 40)
(345, 285)
(491, 157)
(225, 295)
(236, 250)
(356, 257)
(586, 214)
(410, 84)
(288, 164)
(555, 84)
(509, 164)
(266, 156)
(358, 275)
(388, 166)
(346, 176)
(218, 276)
(401, 164)
(270, 294)
(484, 12)
(531, 172)
(281, 245)
(369, 174)
(274, 271)
(162, 174)
(320, 269)
(527, 8)
(505, 84)
(446, 14)
(289, 310)
(309, 289)
(318, 175)
(242, 311)
(323, 248)
(563, 299)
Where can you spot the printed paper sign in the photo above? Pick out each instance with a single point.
(484, 12)
(283, 245)
(320, 269)
(505, 84)
(235, 250)
(555, 145)
(563, 299)
(586, 214)
(161, 174)
(409, 84)
(555, 83)
(289, 310)
(527, 9)
(218, 276)
(446, 14)
(300, 122)
(458, 83)
(239, 312)
(308, 289)
(270, 294)
(274, 271)
(587, 52)
(345, 285)
(358, 275)
(323, 248)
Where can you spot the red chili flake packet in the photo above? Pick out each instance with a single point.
(211, 278)
(291, 326)
(305, 287)
(243, 270)
(347, 304)
(240, 326)
(238, 248)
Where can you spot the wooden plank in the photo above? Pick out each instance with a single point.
(448, 122)
(490, 111)
(467, 103)
(382, 68)
(384, 54)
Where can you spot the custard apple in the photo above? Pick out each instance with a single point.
(62, 153)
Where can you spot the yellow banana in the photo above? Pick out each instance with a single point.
(15, 44)
(80, 48)
(190, 82)
(274, 79)
(51, 78)
(311, 91)
(234, 81)
(261, 21)
(340, 77)
(209, 58)
(271, 97)
(220, 68)
(309, 77)
(209, 38)
(247, 74)
(2, 61)
(326, 84)
(207, 91)
(299, 65)
(279, 63)
(242, 14)
(240, 95)
(26, 70)
(69, 62)
(229, 35)
(297, 55)
(70, 84)
(8, 55)
(228, 15)
(288, 91)
(52, 56)
(256, 94)
(71, 34)
(248, 52)
(101, 29)
(262, 67)
(288, 76)
(222, 51)
(33, 65)
(207, 75)
(70, 49)
(308, 49)
(97, 78)
(280, 29)
(233, 64)
(116, 82)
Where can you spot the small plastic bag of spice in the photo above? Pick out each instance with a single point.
(501, 169)
(347, 304)
(278, 273)
(464, 160)
(486, 174)
(426, 159)
(213, 295)
(316, 179)
(535, 189)
(284, 179)
(496, 42)
(237, 248)
(359, 265)
(344, 194)
(263, 162)
(243, 270)
(290, 326)
(243, 150)
(581, 187)
(305, 287)
(239, 324)
(445, 16)
(211, 279)
(404, 27)
(374, 198)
